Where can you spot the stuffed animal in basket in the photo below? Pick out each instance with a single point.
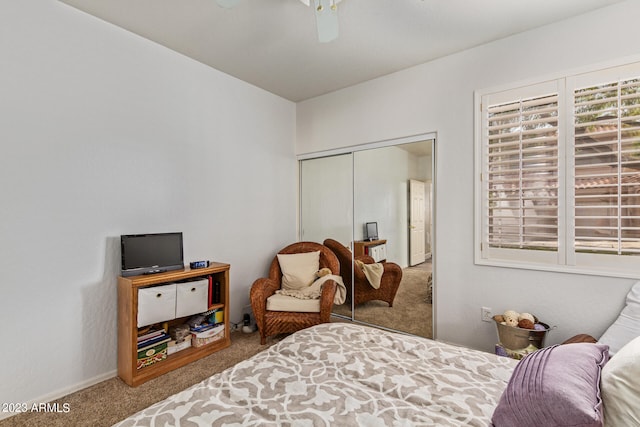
(510, 317)
(515, 319)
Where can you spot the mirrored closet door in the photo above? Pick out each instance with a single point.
(377, 203)
(391, 190)
(326, 203)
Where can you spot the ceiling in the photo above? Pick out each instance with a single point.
(273, 44)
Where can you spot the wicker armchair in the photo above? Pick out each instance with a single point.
(362, 290)
(277, 322)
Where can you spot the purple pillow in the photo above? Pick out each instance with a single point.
(555, 386)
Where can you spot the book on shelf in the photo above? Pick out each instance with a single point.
(216, 316)
(150, 334)
(216, 292)
(152, 341)
(154, 344)
(202, 327)
(152, 354)
(214, 330)
(210, 290)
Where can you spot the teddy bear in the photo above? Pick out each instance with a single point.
(526, 324)
(323, 272)
(527, 316)
(526, 321)
(510, 318)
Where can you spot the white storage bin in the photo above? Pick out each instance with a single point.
(378, 252)
(192, 297)
(156, 304)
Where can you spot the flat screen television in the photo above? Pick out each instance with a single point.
(371, 231)
(151, 253)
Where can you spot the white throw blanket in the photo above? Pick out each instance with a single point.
(373, 273)
(314, 290)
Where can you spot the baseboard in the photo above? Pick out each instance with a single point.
(63, 392)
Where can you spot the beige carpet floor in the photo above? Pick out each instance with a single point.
(411, 311)
(112, 400)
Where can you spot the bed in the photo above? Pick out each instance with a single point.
(343, 374)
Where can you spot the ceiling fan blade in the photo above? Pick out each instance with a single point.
(227, 4)
(326, 20)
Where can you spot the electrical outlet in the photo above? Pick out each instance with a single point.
(485, 314)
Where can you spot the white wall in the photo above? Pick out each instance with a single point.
(438, 97)
(380, 195)
(105, 133)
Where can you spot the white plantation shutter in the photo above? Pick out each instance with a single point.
(522, 173)
(559, 181)
(607, 167)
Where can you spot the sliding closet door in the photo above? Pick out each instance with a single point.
(381, 195)
(340, 194)
(326, 203)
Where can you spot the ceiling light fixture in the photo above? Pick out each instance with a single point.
(326, 12)
(326, 19)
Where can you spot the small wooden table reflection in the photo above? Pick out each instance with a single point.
(361, 247)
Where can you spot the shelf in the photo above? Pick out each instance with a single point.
(128, 329)
(177, 275)
(177, 360)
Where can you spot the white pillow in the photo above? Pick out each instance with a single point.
(620, 387)
(627, 326)
(298, 270)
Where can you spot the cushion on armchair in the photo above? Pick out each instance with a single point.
(298, 270)
(279, 302)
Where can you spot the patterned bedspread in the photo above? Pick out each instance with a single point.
(341, 374)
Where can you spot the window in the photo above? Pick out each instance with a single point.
(559, 182)
(523, 173)
(607, 167)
